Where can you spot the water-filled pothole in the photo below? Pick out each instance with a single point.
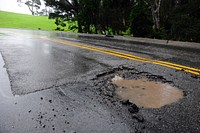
(146, 93)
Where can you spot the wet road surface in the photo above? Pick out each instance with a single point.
(54, 87)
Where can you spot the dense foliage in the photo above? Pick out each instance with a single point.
(164, 19)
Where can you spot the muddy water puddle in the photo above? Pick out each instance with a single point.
(145, 93)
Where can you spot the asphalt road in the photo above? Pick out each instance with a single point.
(52, 82)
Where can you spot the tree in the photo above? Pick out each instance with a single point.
(164, 19)
(186, 20)
(89, 15)
(33, 5)
(94, 16)
(115, 15)
(120, 15)
(65, 9)
(155, 10)
(141, 19)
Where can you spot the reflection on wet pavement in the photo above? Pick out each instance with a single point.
(145, 93)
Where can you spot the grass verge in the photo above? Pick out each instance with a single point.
(14, 20)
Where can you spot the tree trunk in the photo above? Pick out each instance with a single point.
(155, 9)
(80, 27)
(32, 7)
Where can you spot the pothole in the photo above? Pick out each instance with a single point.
(109, 87)
(146, 93)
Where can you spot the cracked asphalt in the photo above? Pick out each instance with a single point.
(47, 86)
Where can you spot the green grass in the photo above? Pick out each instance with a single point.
(14, 20)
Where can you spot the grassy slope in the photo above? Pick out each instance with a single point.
(14, 20)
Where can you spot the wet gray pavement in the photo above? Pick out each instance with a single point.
(60, 88)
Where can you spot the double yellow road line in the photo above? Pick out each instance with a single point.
(188, 69)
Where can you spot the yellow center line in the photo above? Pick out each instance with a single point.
(188, 69)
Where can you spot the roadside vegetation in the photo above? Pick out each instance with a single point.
(14, 20)
(162, 19)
